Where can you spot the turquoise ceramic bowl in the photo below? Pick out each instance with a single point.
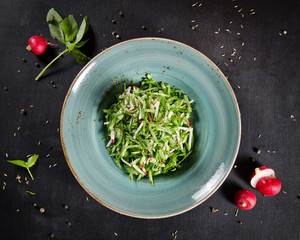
(216, 123)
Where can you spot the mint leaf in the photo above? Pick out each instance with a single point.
(79, 56)
(69, 28)
(82, 30)
(53, 17)
(81, 43)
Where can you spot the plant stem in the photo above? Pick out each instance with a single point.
(30, 174)
(41, 73)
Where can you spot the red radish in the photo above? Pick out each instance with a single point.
(264, 180)
(268, 186)
(37, 45)
(245, 199)
(259, 173)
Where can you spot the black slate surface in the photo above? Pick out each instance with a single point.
(266, 81)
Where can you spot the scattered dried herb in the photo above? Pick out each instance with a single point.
(31, 193)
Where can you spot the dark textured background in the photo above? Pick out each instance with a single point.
(267, 89)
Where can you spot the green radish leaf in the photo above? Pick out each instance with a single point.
(31, 193)
(20, 163)
(82, 30)
(32, 160)
(81, 43)
(70, 46)
(53, 17)
(56, 33)
(79, 56)
(69, 27)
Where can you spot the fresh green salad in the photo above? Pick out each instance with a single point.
(149, 129)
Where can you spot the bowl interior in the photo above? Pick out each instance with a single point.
(216, 123)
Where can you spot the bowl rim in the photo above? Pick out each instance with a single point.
(99, 200)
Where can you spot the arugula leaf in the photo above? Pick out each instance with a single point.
(79, 56)
(31, 193)
(82, 30)
(30, 162)
(70, 28)
(67, 32)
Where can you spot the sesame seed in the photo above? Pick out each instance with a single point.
(37, 65)
(69, 224)
(273, 151)
(227, 30)
(50, 166)
(239, 87)
(6, 155)
(117, 36)
(23, 112)
(114, 21)
(52, 235)
(242, 26)
(252, 13)
(242, 15)
(223, 55)
(238, 33)
(284, 32)
(143, 27)
(200, 4)
(236, 6)
(34, 204)
(80, 15)
(18, 128)
(39, 143)
(55, 164)
(116, 234)
(5, 175)
(192, 21)
(18, 210)
(221, 46)
(235, 166)
(225, 213)
(193, 5)
(226, 64)
(48, 155)
(42, 210)
(57, 129)
(254, 59)
(121, 14)
(240, 222)
(31, 106)
(66, 207)
(114, 33)
(259, 136)
(243, 44)
(3, 187)
(239, 57)
(268, 151)
(15, 134)
(240, 10)
(280, 34)
(87, 198)
(19, 70)
(47, 122)
(213, 210)
(5, 88)
(216, 32)
(252, 10)
(230, 22)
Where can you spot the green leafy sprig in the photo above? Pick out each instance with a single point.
(67, 32)
(30, 162)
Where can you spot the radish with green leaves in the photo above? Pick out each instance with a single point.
(67, 32)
